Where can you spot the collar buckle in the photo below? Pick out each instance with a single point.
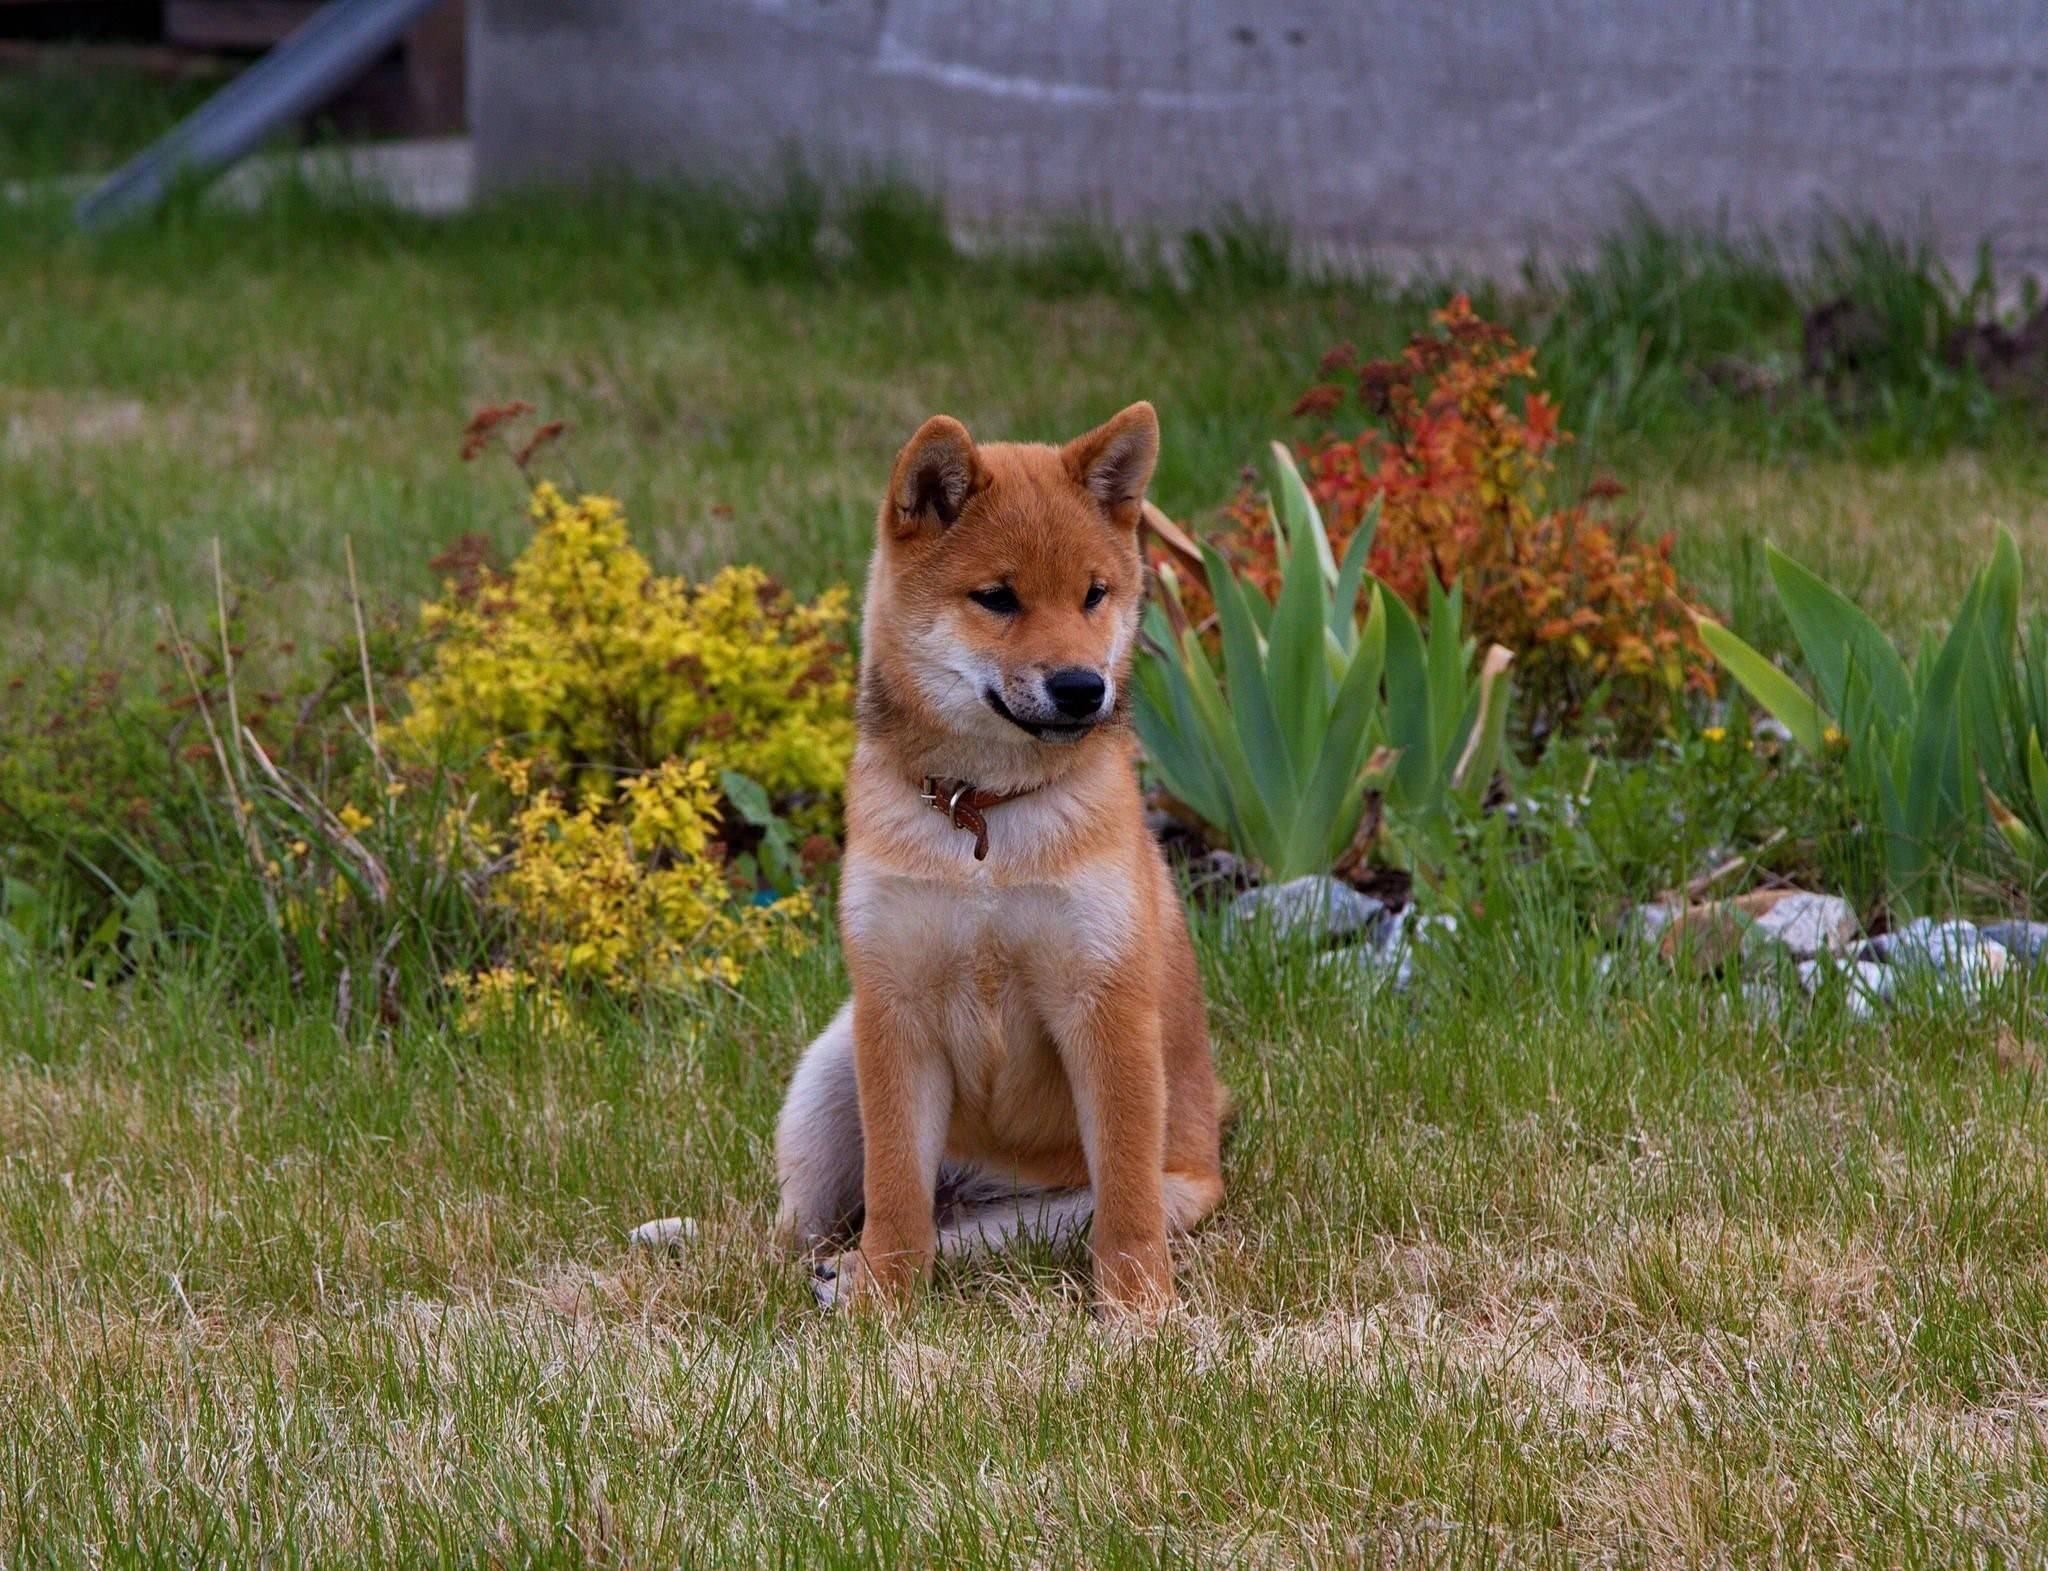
(962, 802)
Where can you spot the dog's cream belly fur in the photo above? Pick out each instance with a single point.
(984, 975)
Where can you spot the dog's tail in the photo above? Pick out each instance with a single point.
(1227, 1109)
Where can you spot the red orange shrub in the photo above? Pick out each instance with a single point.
(1593, 611)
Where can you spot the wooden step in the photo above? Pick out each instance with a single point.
(234, 24)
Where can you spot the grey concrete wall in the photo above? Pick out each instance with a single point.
(1482, 126)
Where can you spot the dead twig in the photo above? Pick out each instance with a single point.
(1179, 544)
(315, 812)
(244, 824)
(227, 663)
(1491, 670)
(355, 604)
(1698, 887)
(1377, 767)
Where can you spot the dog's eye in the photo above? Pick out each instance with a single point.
(1095, 594)
(1001, 599)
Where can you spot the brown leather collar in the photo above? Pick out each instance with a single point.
(963, 803)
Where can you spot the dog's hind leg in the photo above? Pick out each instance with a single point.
(1190, 1196)
(982, 1223)
(818, 1154)
(980, 1214)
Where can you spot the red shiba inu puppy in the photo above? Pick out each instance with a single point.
(1025, 1048)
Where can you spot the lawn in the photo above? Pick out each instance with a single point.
(1536, 1262)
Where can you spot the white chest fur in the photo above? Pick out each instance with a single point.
(989, 977)
(923, 930)
(990, 960)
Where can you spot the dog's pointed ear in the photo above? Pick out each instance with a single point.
(1114, 461)
(935, 474)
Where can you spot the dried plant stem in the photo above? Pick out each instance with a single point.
(227, 665)
(1714, 875)
(1179, 544)
(206, 719)
(1491, 670)
(244, 825)
(355, 603)
(315, 812)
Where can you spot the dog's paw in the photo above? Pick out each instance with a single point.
(1144, 1312)
(836, 1281)
(825, 1283)
(1134, 1284)
(839, 1281)
(664, 1235)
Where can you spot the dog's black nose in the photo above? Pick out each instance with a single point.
(1076, 692)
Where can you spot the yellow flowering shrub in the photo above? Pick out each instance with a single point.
(612, 708)
(582, 658)
(509, 996)
(629, 892)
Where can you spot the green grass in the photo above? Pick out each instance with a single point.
(740, 375)
(1537, 1269)
(71, 113)
(279, 382)
(1531, 1267)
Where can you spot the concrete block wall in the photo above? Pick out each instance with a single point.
(1482, 127)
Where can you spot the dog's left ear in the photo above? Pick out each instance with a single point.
(1114, 461)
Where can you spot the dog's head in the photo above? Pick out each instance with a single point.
(1006, 586)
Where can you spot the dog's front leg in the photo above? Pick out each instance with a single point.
(906, 1100)
(1111, 1049)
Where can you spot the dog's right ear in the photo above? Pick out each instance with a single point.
(935, 474)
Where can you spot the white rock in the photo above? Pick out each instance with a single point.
(1370, 966)
(1924, 941)
(1410, 930)
(1866, 983)
(1944, 963)
(1808, 924)
(1646, 923)
(1763, 997)
(1409, 923)
(2021, 940)
(668, 1233)
(1977, 970)
(1313, 904)
(1389, 954)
